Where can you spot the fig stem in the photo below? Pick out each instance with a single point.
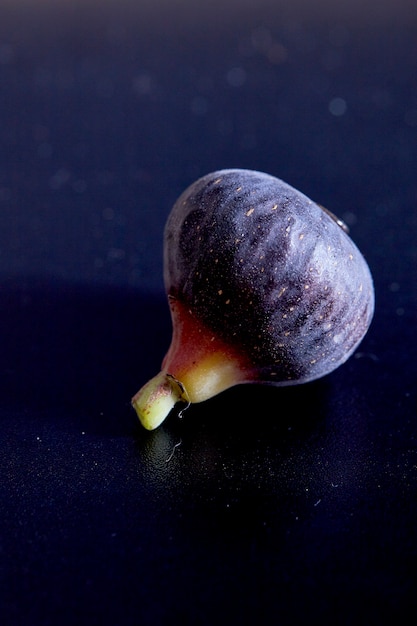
(154, 401)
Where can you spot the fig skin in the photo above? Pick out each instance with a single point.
(264, 285)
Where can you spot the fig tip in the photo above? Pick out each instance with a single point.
(154, 401)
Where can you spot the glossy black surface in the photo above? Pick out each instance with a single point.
(272, 506)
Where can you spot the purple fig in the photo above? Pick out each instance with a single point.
(264, 286)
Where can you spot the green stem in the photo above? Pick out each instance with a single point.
(157, 398)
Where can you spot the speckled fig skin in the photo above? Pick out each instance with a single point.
(269, 273)
(263, 285)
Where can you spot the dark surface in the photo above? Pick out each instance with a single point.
(270, 506)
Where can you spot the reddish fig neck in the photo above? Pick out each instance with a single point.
(201, 361)
(198, 366)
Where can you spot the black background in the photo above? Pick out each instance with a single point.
(263, 505)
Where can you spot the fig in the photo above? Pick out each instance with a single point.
(264, 286)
